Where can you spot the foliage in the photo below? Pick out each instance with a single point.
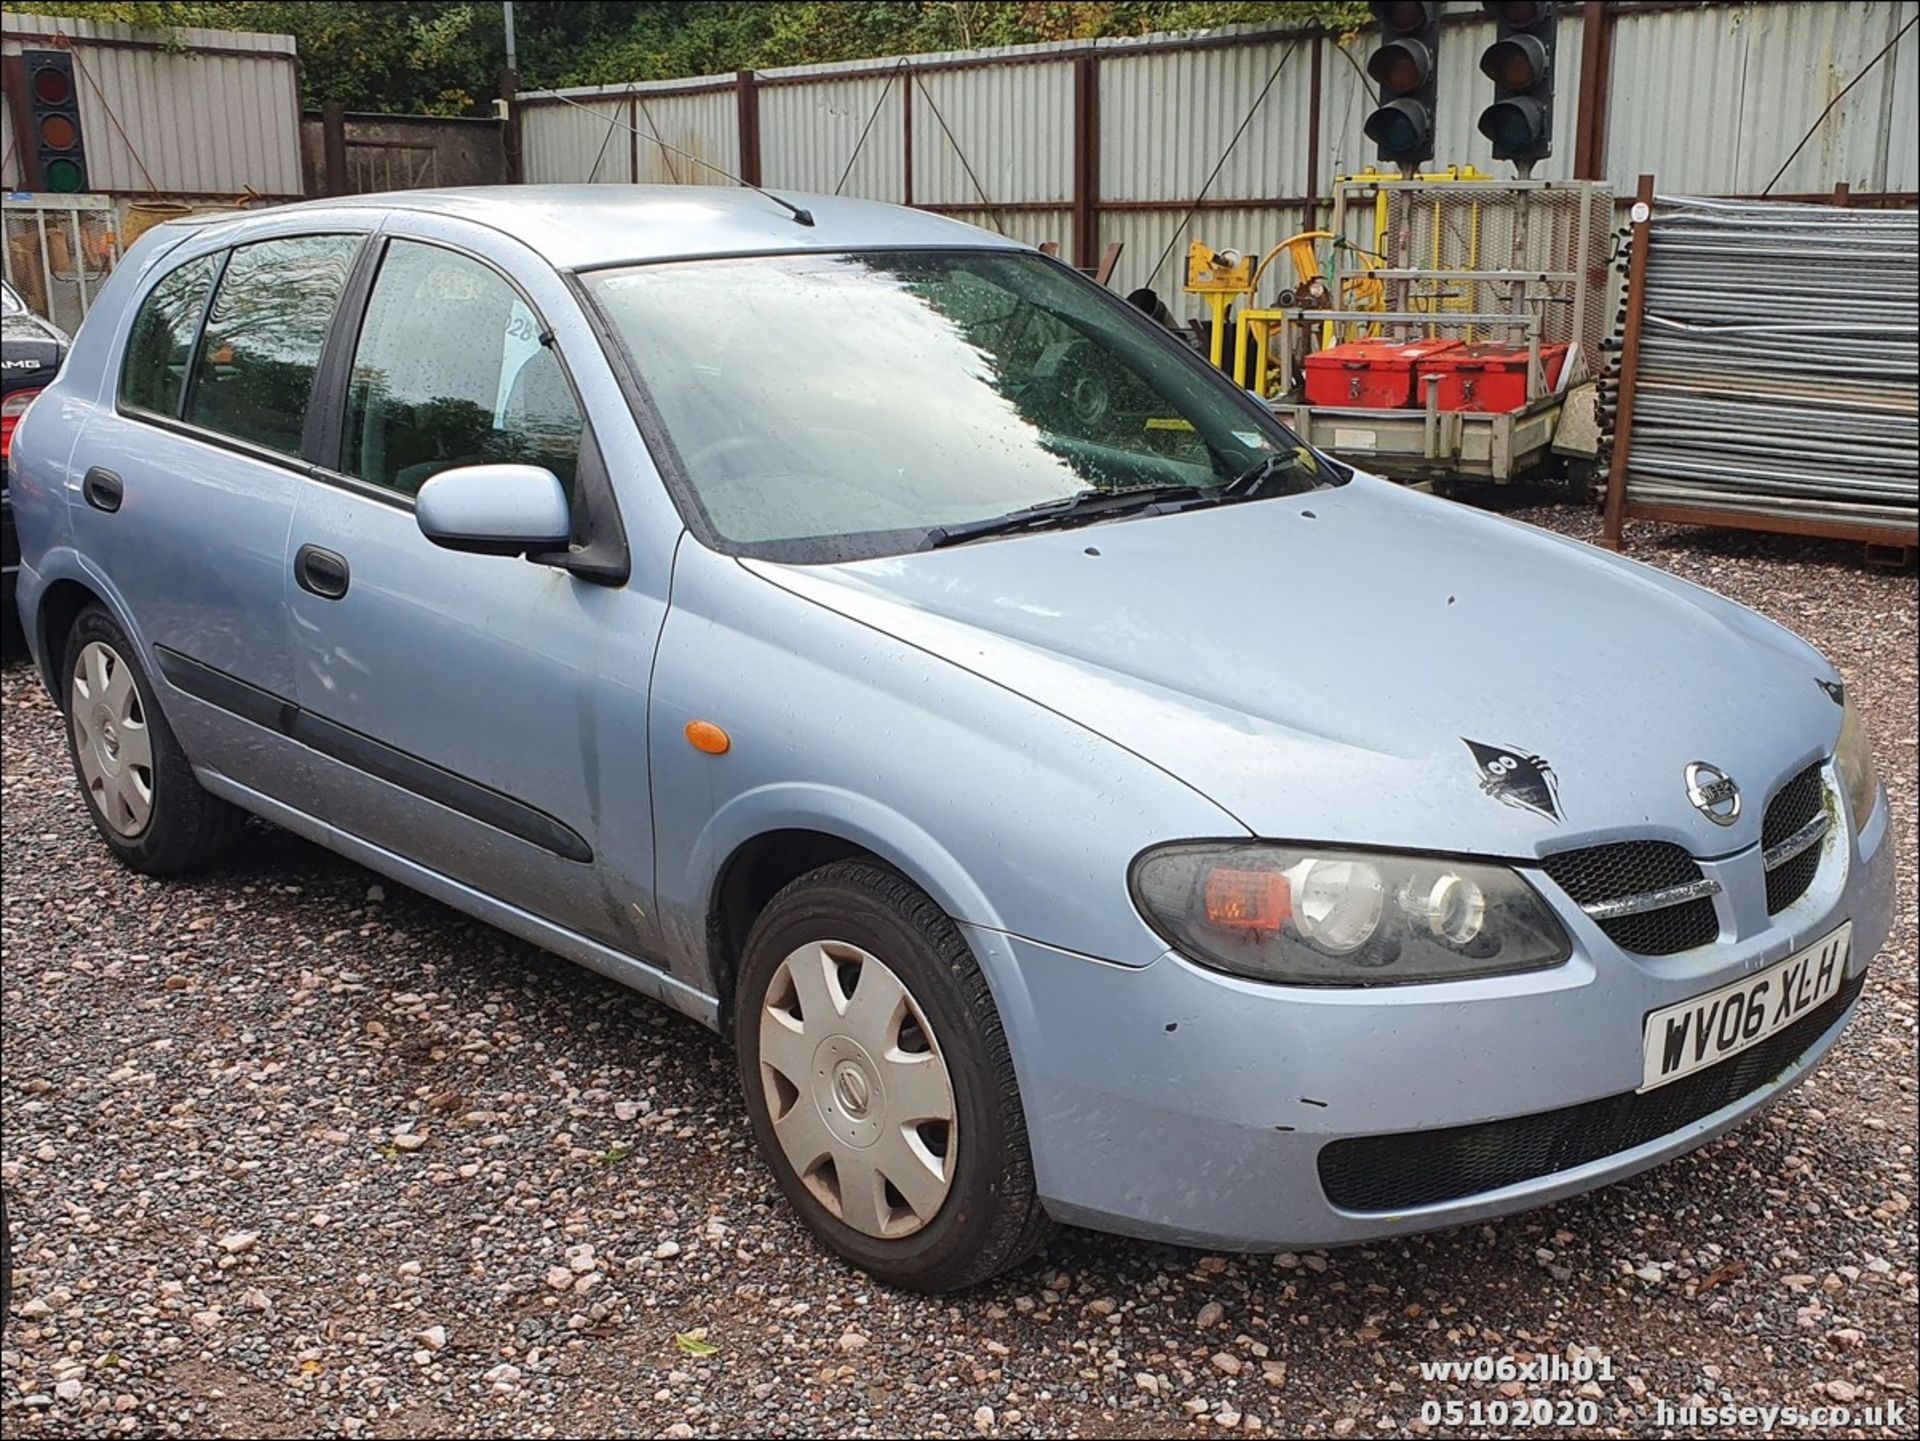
(443, 57)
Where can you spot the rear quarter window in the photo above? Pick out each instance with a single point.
(154, 373)
(253, 372)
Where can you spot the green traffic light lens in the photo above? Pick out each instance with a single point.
(63, 177)
(1398, 129)
(1512, 124)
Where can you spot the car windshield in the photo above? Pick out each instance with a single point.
(828, 406)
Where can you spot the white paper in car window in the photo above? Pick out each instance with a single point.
(522, 344)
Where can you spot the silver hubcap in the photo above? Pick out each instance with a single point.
(860, 1098)
(110, 738)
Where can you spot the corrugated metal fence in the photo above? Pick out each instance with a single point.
(196, 114)
(1094, 142)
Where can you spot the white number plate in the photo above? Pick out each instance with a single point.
(1691, 1036)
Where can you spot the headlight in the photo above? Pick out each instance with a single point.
(1853, 758)
(1317, 916)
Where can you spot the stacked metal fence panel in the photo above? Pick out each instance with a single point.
(1777, 361)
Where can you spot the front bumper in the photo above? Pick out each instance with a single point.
(1174, 1103)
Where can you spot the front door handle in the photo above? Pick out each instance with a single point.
(103, 490)
(321, 572)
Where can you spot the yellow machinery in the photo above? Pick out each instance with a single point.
(1219, 276)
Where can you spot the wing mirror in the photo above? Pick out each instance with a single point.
(495, 510)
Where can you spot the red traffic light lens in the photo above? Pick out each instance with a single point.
(1524, 13)
(1402, 17)
(1399, 129)
(1517, 63)
(52, 87)
(1513, 124)
(1402, 66)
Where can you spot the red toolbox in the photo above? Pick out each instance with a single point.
(1377, 374)
(1491, 378)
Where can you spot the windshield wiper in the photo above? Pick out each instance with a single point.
(1249, 481)
(1085, 508)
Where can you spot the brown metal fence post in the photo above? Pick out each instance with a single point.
(510, 135)
(1629, 365)
(333, 147)
(1596, 79)
(1086, 159)
(906, 135)
(1318, 42)
(746, 89)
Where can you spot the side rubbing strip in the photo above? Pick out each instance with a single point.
(423, 778)
(230, 693)
(375, 758)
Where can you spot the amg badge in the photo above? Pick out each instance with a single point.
(1517, 778)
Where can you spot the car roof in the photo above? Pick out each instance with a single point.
(580, 226)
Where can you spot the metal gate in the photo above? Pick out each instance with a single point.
(57, 251)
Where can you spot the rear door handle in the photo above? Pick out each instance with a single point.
(103, 490)
(321, 572)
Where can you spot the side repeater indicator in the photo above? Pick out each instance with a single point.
(707, 737)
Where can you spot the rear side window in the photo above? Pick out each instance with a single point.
(451, 370)
(155, 371)
(253, 374)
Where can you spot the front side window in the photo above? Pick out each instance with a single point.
(155, 371)
(828, 406)
(253, 374)
(452, 370)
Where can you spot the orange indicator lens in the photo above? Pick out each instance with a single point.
(1241, 900)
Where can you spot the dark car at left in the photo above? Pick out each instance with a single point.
(30, 357)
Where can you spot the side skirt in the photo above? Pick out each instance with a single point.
(616, 965)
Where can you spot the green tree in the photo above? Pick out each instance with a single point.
(443, 57)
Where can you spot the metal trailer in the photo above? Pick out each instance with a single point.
(1519, 261)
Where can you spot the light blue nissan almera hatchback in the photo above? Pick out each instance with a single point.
(1078, 800)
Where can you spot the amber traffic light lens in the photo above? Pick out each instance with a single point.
(1402, 67)
(57, 132)
(1516, 63)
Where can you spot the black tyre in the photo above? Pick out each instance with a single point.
(879, 1084)
(140, 790)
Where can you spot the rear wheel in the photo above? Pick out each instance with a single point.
(879, 1082)
(139, 787)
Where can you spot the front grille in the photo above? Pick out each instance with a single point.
(1637, 868)
(1793, 806)
(1424, 1168)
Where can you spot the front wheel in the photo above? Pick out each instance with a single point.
(879, 1083)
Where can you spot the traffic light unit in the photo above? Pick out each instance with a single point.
(53, 117)
(1520, 64)
(1405, 68)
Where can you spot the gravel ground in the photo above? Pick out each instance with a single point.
(291, 1150)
